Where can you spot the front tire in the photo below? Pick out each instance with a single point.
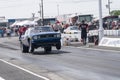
(24, 48)
(58, 46)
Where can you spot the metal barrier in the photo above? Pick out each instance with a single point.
(93, 36)
(106, 32)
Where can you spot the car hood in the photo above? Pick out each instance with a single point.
(42, 33)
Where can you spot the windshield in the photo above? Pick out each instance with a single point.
(44, 29)
(41, 29)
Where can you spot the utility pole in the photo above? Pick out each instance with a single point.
(109, 6)
(40, 10)
(33, 16)
(42, 20)
(40, 14)
(101, 30)
(58, 9)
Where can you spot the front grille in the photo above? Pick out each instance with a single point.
(43, 36)
(47, 36)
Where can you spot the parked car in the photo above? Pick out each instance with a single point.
(40, 36)
(72, 30)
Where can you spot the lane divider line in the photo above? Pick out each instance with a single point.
(1, 78)
(45, 78)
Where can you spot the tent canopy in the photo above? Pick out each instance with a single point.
(23, 23)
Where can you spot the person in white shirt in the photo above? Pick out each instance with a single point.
(8, 32)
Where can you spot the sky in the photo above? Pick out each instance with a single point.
(52, 8)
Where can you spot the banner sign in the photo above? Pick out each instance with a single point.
(110, 42)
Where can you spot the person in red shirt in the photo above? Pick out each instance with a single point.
(24, 29)
(20, 32)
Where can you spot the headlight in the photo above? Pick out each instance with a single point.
(35, 37)
(58, 35)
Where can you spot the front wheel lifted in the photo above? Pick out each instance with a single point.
(24, 48)
(58, 46)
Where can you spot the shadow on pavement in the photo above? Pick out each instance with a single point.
(53, 52)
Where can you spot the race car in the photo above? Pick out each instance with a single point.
(40, 36)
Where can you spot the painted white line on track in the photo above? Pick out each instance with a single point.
(1, 78)
(95, 49)
(24, 70)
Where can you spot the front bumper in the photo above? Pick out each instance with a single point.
(45, 42)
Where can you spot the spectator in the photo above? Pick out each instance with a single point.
(15, 30)
(63, 27)
(84, 29)
(55, 27)
(113, 24)
(118, 24)
(105, 25)
(20, 31)
(8, 32)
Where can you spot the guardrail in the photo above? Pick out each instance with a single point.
(106, 32)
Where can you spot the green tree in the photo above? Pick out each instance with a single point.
(115, 12)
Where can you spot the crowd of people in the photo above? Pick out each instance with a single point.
(5, 31)
(84, 27)
(115, 25)
(8, 31)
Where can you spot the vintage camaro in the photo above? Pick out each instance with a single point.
(40, 36)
